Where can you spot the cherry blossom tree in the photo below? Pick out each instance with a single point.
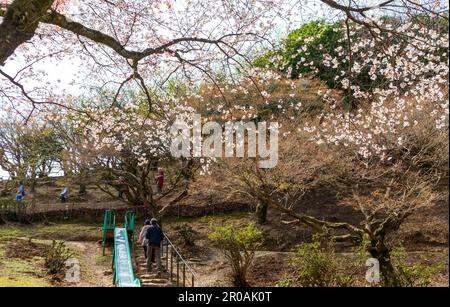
(142, 44)
(392, 136)
(396, 136)
(123, 44)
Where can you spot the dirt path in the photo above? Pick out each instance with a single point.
(95, 268)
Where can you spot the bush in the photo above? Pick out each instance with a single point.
(6, 203)
(311, 35)
(187, 234)
(56, 256)
(412, 275)
(317, 265)
(11, 210)
(239, 246)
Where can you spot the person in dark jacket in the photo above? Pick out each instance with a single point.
(154, 238)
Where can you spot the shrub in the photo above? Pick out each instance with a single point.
(311, 35)
(187, 234)
(285, 282)
(239, 246)
(56, 256)
(317, 265)
(412, 275)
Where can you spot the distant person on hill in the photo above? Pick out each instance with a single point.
(20, 192)
(159, 178)
(154, 236)
(121, 186)
(142, 238)
(64, 194)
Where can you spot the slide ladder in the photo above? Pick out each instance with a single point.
(109, 224)
(129, 224)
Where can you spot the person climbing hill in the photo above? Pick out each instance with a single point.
(121, 186)
(154, 236)
(64, 194)
(142, 234)
(20, 192)
(159, 178)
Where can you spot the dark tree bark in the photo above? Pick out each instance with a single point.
(20, 22)
(261, 212)
(82, 189)
(381, 252)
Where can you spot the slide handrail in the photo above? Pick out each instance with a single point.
(180, 263)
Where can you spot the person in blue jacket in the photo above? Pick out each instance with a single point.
(154, 238)
(63, 195)
(20, 192)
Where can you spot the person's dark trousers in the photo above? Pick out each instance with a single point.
(146, 253)
(63, 199)
(157, 251)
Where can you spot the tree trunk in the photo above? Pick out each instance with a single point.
(19, 24)
(381, 252)
(33, 182)
(33, 185)
(82, 189)
(261, 212)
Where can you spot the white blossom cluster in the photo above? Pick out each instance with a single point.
(413, 74)
(132, 131)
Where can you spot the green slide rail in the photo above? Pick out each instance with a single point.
(129, 223)
(109, 224)
(122, 263)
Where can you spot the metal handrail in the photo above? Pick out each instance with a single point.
(179, 259)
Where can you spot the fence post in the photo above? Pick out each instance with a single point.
(171, 263)
(167, 256)
(184, 274)
(178, 272)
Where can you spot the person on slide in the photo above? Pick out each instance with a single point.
(154, 236)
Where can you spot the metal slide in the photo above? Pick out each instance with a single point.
(122, 262)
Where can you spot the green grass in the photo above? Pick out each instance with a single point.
(21, 273)
(15, 271)
(23, 281)
(53, 231)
